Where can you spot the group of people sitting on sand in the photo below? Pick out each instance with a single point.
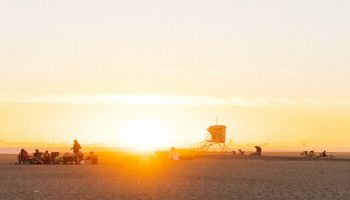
(257, 152)
(36, 158)
(312, 154)
(53, 158)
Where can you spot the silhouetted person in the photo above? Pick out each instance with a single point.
(324, 154)
(23, 157)
(304, 153)
(241, 152)
(76, 147)
(258, 150)
(76, 150)
(37, 157)
(47, 157)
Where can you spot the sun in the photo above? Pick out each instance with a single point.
(146, 135)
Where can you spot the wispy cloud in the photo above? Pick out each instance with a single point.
(157, 99)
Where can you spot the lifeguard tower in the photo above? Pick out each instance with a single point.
(216, 141)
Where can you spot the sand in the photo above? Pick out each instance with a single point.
(201, 178)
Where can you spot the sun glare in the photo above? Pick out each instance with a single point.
(144, 135)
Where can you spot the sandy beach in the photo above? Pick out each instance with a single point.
(201, 178)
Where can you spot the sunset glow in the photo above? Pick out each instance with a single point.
(144, 135)
(148, 75)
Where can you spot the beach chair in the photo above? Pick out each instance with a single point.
(55, 157)
(69, 158)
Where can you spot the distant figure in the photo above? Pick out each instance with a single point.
(76, 150)
(172, 154)
(324, 154)
(37, 157)
(234, 152)
(46, 157)
(23, 157)
(258, 150)
(304, 153)
(76, 147)
(241, 152)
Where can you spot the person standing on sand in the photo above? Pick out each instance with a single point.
(76, 147)
(241, 152)
(76, 150)
(258, 150)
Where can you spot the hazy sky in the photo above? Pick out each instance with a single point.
(183, 60)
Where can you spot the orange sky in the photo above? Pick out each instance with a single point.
(273, 72)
